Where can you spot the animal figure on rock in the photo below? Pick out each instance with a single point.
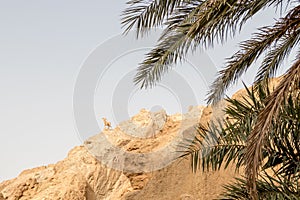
(107, 124)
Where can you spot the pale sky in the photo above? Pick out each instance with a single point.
(43, 46)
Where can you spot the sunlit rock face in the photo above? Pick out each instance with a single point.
(134, 160)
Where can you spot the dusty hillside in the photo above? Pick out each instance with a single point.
(134, 160)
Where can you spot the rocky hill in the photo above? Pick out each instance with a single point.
(135, 160)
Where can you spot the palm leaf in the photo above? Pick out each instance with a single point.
(285, 29)
(269, 187)
(144, 14)
(187, 30)
(256, 141)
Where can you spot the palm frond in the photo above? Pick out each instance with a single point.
(145, 14)
(159, 60)
(252, 49)
(212, 149)
(225, 142)
(204, 24)
(256, 140)
(284, 142)
(274, 58)
(269, 187)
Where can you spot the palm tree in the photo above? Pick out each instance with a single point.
(225, 142)
(189, 24)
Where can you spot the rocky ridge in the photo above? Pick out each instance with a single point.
(135, 160)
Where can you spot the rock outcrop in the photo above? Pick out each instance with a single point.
(135, 160)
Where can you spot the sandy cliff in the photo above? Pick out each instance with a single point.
(135, 160)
